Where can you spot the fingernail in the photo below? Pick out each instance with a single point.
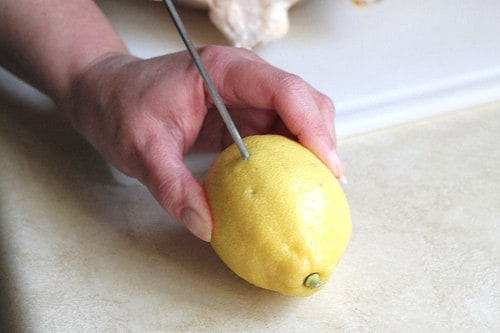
(196, 225)
(339, 168)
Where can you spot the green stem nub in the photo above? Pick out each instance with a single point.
(313, 281)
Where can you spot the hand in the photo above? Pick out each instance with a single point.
(144, 115)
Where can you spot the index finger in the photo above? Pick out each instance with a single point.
(245, 80)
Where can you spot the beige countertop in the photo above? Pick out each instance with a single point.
(80, 253)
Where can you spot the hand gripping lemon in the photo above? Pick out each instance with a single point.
(281, 220)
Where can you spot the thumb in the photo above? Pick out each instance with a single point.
(180, 194)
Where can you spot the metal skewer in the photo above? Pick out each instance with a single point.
(219, 104)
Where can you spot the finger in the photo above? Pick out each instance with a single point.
(311, 123)
(327, 108)
(246, 80)
(308, 114)
(175, 188)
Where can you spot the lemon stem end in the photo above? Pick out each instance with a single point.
(313, 281)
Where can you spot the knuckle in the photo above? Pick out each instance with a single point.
(326, 103)
(165, 194)
(161, 172)
(291, 83)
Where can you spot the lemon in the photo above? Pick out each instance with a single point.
(281, 220)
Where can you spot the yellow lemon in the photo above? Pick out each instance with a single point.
(281, 220)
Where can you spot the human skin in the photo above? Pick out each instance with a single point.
(143, 115)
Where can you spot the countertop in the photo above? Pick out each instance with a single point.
(81, 253)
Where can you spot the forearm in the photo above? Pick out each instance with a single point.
(49, 43)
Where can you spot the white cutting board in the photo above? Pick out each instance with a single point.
(398, 60)
(382, 65)
(395, 61)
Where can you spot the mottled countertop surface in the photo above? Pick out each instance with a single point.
(79, 252)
